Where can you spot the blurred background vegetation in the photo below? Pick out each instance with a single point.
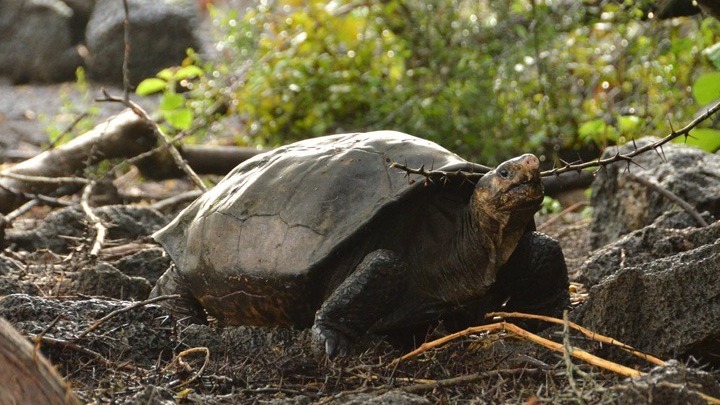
(487, 79)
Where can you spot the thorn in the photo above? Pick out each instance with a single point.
(672, 130)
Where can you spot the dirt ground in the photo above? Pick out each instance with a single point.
(90, 319)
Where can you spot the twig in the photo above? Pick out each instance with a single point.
(125, 309)
(70, 345)
(670, 196)
(464, 379)
(567, 353)
(161, 136)
(509, 327)
(587, 332)
(176, 199)
(100, 229)
(14, 214)
(67, 130)
(179, 357)
(561, 214)
(140, 112)
(126, 53)
(42, 179)
(38, 338)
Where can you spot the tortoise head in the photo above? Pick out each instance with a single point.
(512, 187)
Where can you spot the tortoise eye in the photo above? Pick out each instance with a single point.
(504, 173)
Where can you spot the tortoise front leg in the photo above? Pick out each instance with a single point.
(535, 278)
(360, 301)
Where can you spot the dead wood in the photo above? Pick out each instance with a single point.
(27, 377)
(204, 159)
(124, 135)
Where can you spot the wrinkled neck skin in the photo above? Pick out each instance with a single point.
(485, 239)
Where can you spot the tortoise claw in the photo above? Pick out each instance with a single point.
(335, 343)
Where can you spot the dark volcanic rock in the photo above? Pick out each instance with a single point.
(670, 234)
(621, 205)
(149, 264)
(672, 383)
(668, 306)
(160, 33)
(38, 43)
(107, 281)
(60, 230)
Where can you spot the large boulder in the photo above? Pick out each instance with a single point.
(160, 33)
(622, 205)
(38, 40)
(663, 292)
(672, 383)
(672, 233)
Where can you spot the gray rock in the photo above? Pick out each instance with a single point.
(669, 306)
(38, 42)
(672, 383)
(61, 229)
(621, 205)
(160, 33)
(149, 264)
(670, 234)
(106, 281)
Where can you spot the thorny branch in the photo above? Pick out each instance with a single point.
(439, 175)
(618, 157)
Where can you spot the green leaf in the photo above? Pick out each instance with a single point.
(180, 118)
(628, 123)
(592, 129)
(188, 72)
(150, 86)
(707, 139)
(171, 101)
(713, 53)
(706, 88)
(166, 74)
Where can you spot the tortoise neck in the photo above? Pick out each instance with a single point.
(467, 268)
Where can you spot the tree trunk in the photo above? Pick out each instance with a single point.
(27, 377)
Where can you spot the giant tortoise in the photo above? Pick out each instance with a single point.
(326, 233)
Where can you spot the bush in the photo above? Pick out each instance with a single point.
(487, 79)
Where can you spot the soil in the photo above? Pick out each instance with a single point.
(89, 318)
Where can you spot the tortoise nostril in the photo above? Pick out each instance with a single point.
(531, 161)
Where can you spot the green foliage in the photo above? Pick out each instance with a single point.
(174, 107)
(487, 79)
(706, 88)
(76, 116)
(550, 206)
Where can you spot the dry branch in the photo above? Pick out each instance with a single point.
(100, 228)
(124, 135)
(587, 332)
(516, 330)
(28, 379)
(160, 135)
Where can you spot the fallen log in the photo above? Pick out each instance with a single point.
(122, 136)
(27, 377)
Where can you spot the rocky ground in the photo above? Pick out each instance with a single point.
(88, 316)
